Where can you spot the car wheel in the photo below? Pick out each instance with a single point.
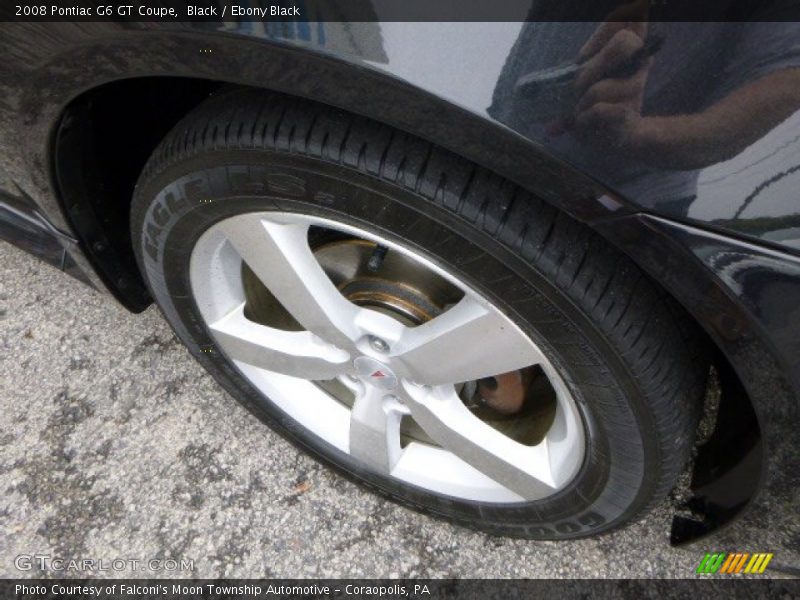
(426, 327)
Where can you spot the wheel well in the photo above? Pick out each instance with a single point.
(101, 145)
(99, 149)
(728, 465)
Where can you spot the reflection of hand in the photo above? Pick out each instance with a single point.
(609, 106)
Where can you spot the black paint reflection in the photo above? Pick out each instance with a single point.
(669, 114)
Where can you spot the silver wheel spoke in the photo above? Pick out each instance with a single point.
(295, 353)
(375, 429)
(469, 341)
(279, 255)
(525, 470)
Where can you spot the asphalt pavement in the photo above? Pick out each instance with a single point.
(114, 444)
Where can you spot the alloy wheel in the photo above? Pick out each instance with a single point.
(387, 357)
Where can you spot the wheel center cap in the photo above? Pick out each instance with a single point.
(375, 373)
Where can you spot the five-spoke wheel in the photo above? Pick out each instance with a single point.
(393, 369)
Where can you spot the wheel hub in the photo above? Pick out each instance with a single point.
(374, 372)
(399, 287)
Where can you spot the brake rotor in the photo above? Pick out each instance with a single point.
(396, 285)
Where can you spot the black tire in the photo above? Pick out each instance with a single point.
(628, 354)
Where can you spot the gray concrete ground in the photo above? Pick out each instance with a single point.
(115, 444)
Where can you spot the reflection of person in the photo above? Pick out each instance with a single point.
(711, 91)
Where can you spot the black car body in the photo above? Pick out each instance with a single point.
(84, 104)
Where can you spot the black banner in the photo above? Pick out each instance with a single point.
(212, 11)
(392, 589)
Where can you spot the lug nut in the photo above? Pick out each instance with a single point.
(378, 344)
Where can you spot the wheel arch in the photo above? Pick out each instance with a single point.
(117, 71)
